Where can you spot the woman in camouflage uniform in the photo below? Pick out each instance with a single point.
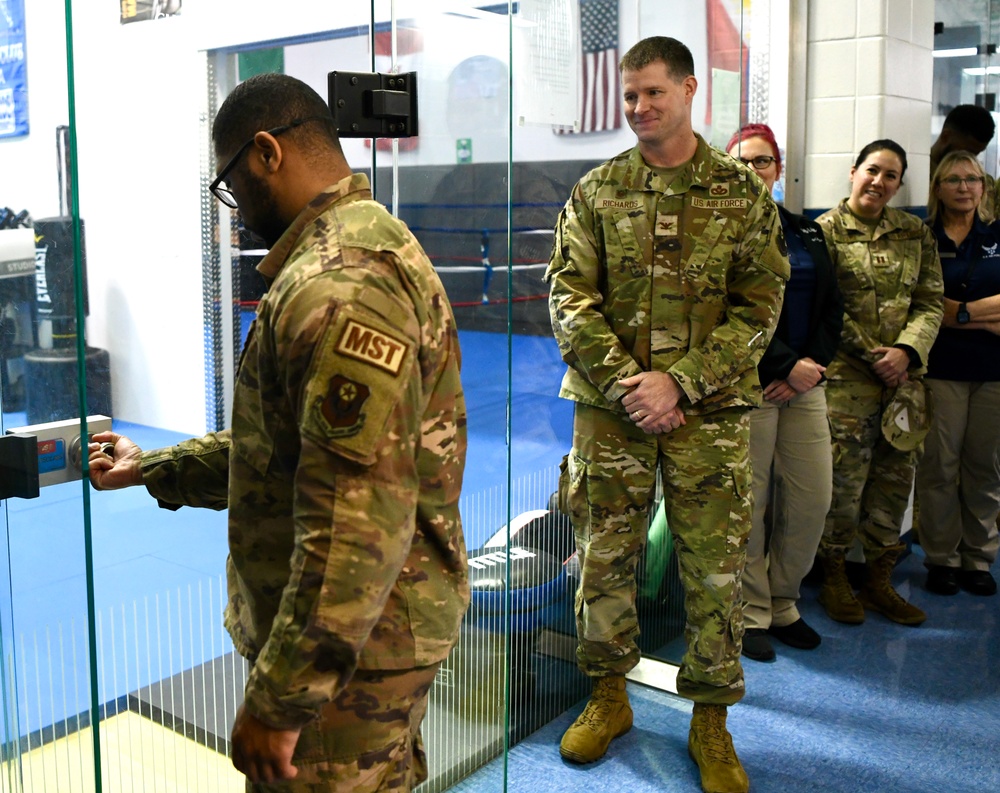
(890, 277)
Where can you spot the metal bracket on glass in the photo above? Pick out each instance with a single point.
(18, 466)
(59, 455)
(373, 105)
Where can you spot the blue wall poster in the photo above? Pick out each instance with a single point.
(13, 70)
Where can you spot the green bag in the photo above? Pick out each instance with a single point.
(659, 549)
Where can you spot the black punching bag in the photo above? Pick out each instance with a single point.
(51, 374)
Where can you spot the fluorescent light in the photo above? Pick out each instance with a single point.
(979, 71)
(960, 52)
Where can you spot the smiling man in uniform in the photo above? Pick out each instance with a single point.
(667, 276)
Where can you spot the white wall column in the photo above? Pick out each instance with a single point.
(869, 76)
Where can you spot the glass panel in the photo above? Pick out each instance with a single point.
(450, 185)
(966, 69)
(48, 731)
(162, 283)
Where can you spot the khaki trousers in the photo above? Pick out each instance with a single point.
(958, 479)
(795, 438)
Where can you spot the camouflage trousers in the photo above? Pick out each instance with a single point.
(367, 740)
(872, 479)
(607, 489)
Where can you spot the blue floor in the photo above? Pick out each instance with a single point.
(158, 575)
(877, 708)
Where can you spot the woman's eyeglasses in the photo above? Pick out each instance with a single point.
(955, 181)
(758, 163)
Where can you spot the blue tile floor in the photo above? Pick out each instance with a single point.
(877, 708)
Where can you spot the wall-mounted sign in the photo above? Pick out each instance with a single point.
(13, 70)
(139, 10)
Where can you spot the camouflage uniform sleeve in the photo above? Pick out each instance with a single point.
(355, 499)
(755, 290)
(575, 273)
(194, 473)
(926, 300)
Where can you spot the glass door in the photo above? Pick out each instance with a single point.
(54, 389)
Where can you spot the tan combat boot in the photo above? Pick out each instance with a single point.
(607, 716)
(836, 594)
(711, 747)
(878, 595)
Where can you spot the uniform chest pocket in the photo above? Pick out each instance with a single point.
(630, 244)
(707, 249)
(854, 275)
(895, 267)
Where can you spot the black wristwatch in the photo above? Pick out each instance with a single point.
(962, 315)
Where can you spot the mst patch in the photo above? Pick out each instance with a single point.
(372, 346)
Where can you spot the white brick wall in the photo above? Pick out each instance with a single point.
(870, 69)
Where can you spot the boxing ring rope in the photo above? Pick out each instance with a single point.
(485, 264)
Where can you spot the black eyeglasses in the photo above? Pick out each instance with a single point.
(224, 194)
(758, 163)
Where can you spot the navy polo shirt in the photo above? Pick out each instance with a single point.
(971, 271)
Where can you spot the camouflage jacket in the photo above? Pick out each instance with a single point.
(344, 464)
(890, 278)
(991, 197)
(685, 277)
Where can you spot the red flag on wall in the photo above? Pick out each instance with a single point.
(599, 105)
(725, 51)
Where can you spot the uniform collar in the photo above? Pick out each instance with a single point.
(639, 175)
(887, 223)
(353, 188)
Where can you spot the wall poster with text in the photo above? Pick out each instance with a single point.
(13, 70)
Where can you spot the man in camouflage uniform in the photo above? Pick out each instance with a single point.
(667, 275)
(342, 469)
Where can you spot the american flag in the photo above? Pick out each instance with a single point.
(600, 95)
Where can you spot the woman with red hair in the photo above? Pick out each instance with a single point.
(790, 430)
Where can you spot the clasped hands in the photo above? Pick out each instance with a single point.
(652, 402)
(891, 367)
(806, 374)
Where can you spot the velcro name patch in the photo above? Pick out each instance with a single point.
(372, 346)
(720, 203)
(615, 203)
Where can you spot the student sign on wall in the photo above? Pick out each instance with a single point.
(13, 71)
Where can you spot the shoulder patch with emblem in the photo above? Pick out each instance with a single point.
(361, 368)
(343, 404)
